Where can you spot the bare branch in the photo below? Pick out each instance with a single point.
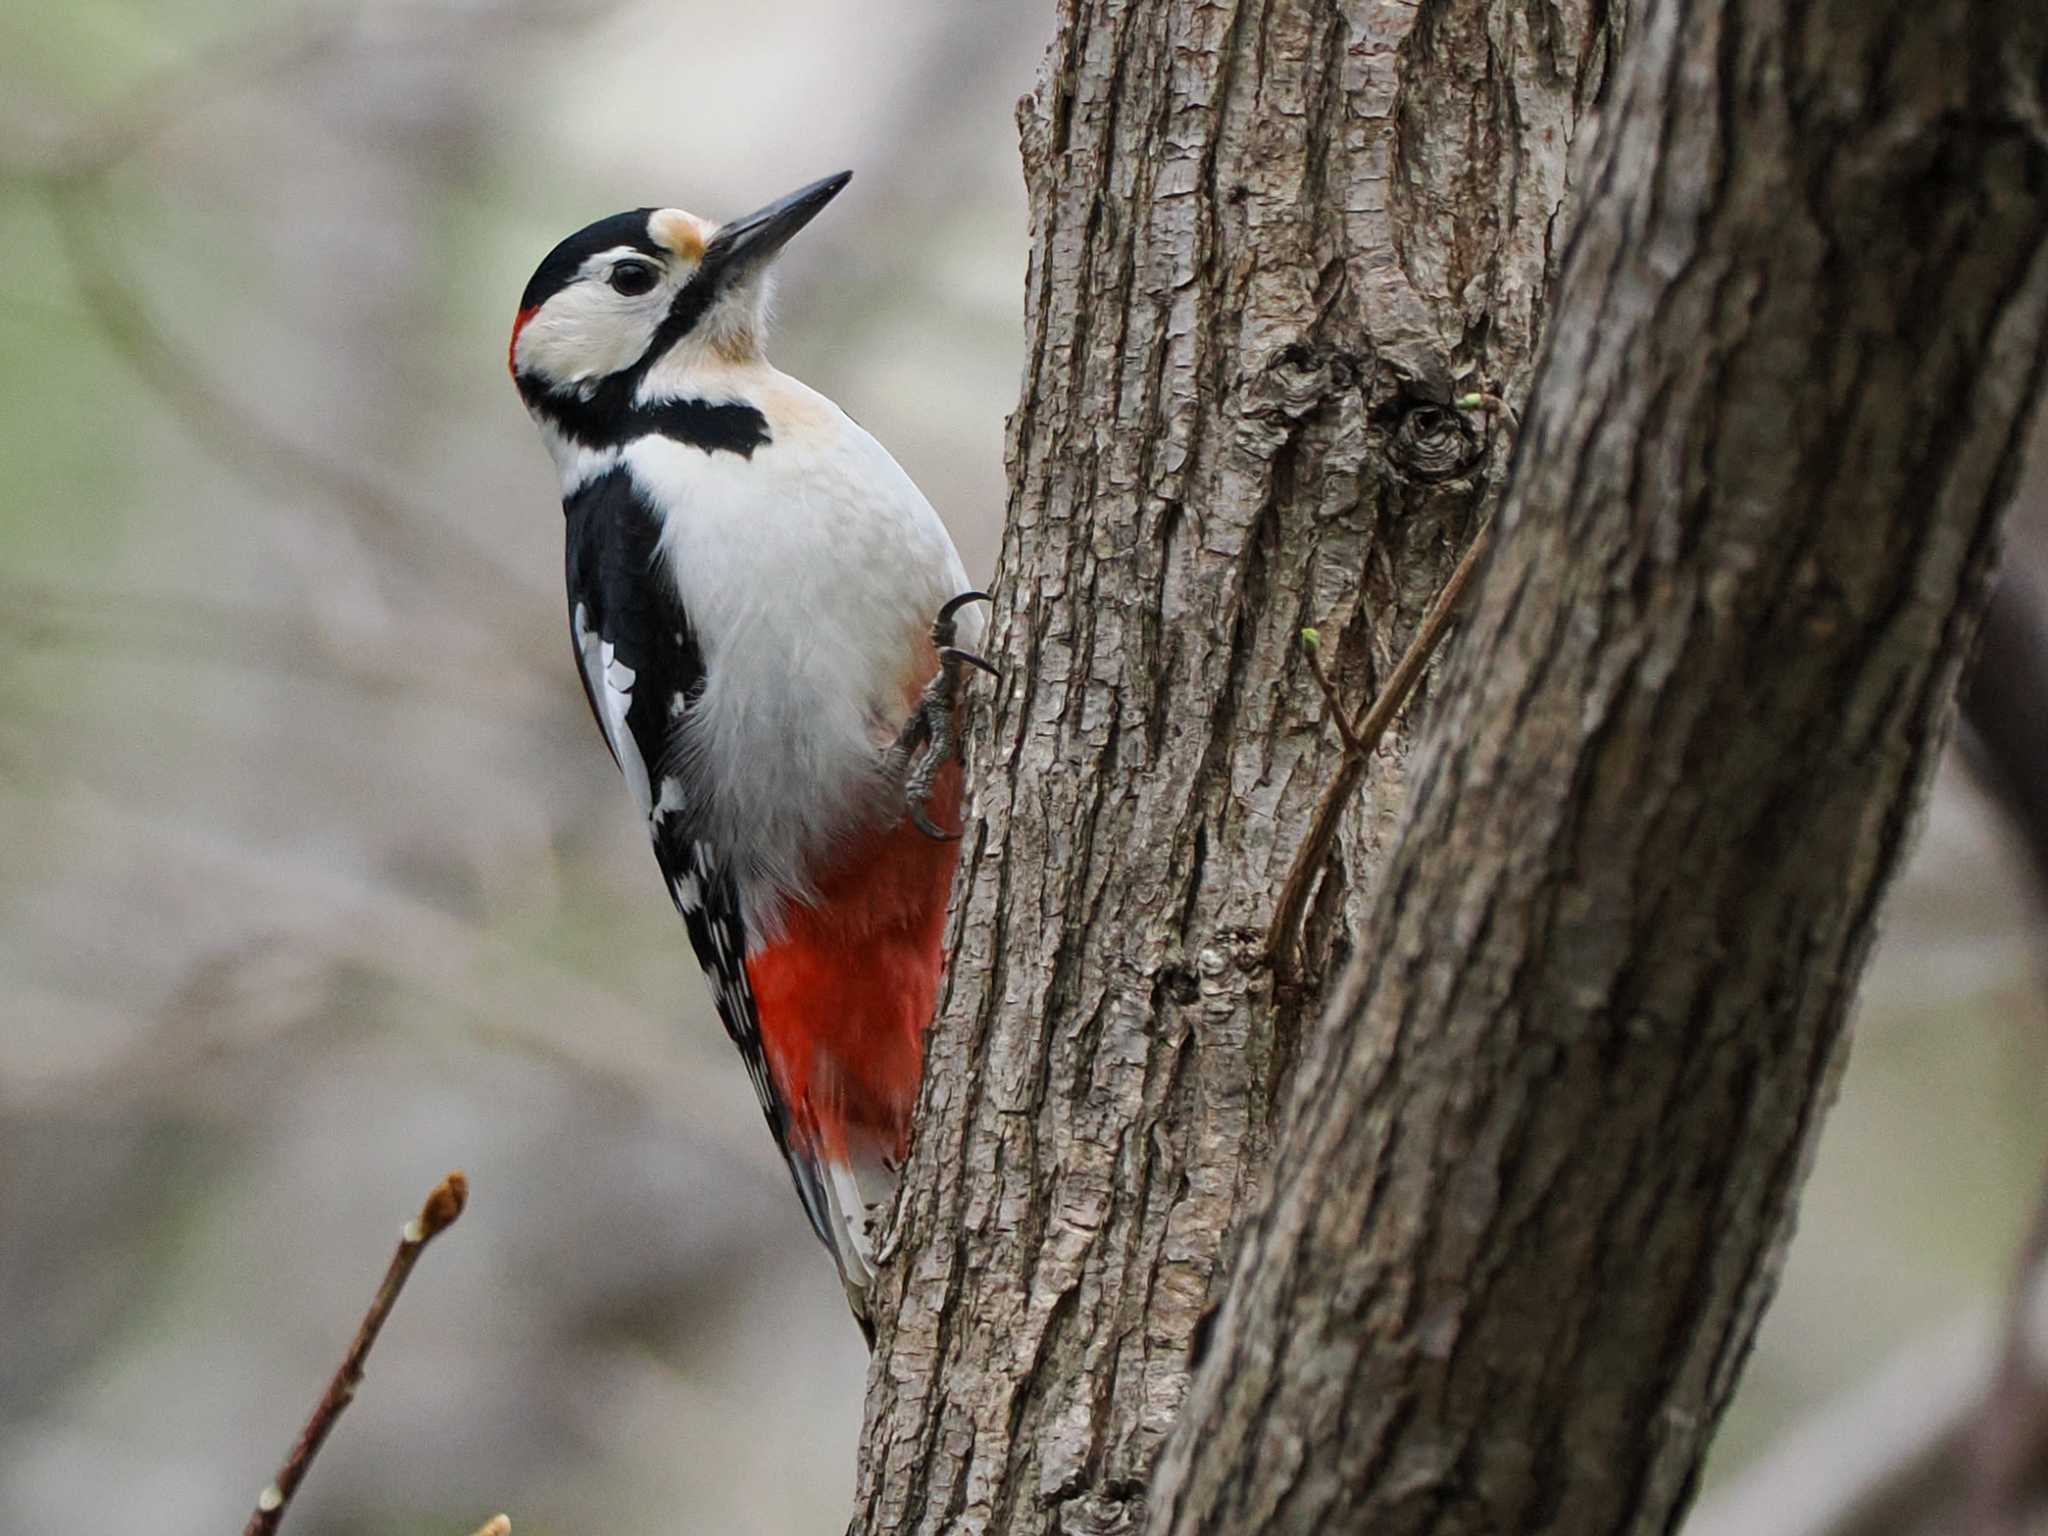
(439, 1213)
(1408, 672)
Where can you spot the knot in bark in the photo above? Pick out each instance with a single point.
(1095, 1514)
(1433, 442)
(1299, 377)
(1292, 383)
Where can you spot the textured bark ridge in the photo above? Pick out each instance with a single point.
(1271, 243)
(1536, 1185)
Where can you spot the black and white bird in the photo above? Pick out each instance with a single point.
(764, 612)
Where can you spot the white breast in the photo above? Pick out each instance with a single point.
(810, 572)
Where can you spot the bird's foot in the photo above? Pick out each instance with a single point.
(928, 740)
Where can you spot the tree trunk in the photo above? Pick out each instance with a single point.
(1538, 1180)
(1543, 1151)
(1269, 247)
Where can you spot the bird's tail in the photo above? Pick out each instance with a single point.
(854, 1196)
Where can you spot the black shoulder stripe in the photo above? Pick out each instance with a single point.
(607, 418)
(731, 427)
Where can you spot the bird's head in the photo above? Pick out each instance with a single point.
(624, 304)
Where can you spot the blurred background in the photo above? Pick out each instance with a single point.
(315, 882)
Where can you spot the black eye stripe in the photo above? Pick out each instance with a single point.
(632, 278)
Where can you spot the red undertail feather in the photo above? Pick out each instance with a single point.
(845, 994)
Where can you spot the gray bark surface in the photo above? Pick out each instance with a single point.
(1539, 1177)
(1269, 245)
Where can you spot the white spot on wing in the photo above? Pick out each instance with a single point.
(670, 800)
(611, 684)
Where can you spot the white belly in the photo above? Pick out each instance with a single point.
(811, 573)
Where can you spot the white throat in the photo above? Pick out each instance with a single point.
(577, 464)
(724, 344)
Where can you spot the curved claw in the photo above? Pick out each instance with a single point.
(931, 722)
(953, 605)
(951, 654)
(928, 827)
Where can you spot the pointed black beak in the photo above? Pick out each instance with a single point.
(747, 243)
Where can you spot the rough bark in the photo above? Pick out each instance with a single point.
(1538, 1179)
(1270, 244)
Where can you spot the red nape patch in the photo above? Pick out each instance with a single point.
(512, 350)
(845, 994)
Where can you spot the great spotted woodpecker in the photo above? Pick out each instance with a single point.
(764, 609)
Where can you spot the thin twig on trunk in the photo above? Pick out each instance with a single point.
(1360, 737)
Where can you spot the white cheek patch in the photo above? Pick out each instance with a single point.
(585, 333)
(611, 684)
(589, 330)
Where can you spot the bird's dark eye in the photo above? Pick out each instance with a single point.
(632, 278)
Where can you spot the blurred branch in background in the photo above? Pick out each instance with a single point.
(412, 541)
(2005, 715)
(95, 146)
(75, 170)
(1951, 1435)
(2005, 706)
(313, 873)
(1880, 1460)
(456, 965)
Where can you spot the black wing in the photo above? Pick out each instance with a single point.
(642, 669)
(640, 663)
